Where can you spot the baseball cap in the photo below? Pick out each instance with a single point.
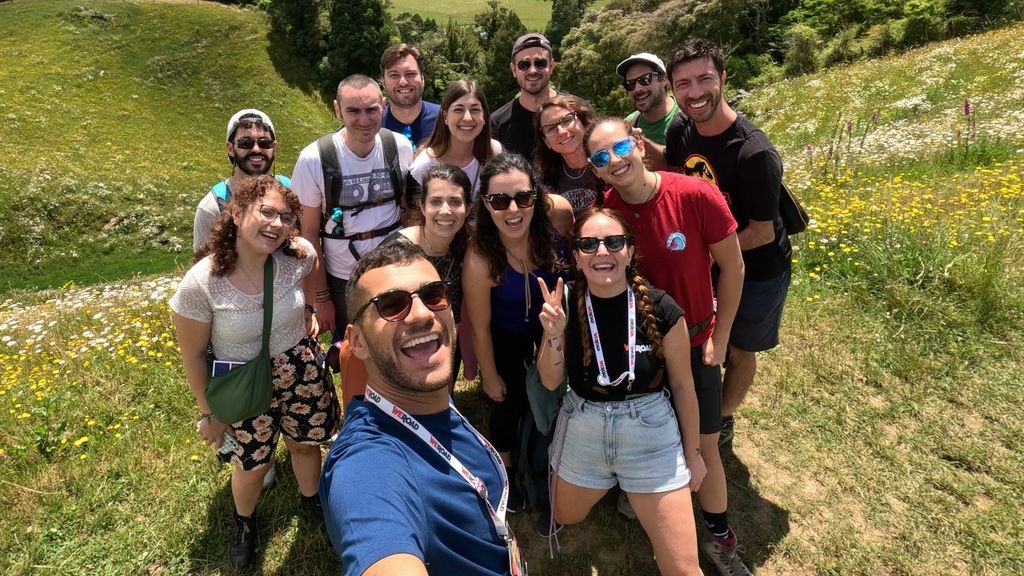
(530, 40)
(249, 112)
(645, 57)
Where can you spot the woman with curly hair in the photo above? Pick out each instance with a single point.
(630, 415)
(513, 244)
(559, 157)
(219, 304)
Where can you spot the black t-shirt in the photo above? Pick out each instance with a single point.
(748, 171)
(513, 127)
(611, 325)
(581, 191)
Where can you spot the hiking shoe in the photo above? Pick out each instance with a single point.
(725, 436)
(624, 507)
(246, 542)
(270, 478)
(545, 527)
(724, 558)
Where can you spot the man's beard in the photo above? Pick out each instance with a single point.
(389, 369)
(243, 164)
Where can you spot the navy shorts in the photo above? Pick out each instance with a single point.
(756, 327)
(707, 381)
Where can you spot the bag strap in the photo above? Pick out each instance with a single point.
(331, 171)
(268, 303)
(387, 140)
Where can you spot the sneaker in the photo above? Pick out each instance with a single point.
(724, 558)
(245, 544)
(545, 527)
(270, 478)
(725, 436)
(310, 509)
(516, 500)
(624, 507)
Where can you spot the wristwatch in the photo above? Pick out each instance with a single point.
(204, 416)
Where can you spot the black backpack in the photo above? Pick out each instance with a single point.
(332, 189)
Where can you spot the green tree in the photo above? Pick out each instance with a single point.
(498, 29)
(298, 22)
(802, 45)
(360, 31)
(565, 15)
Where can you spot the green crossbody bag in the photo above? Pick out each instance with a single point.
(245, 391)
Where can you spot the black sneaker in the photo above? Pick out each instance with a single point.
(725, 436)
(311, 509)
(246, 542)
(545, 527)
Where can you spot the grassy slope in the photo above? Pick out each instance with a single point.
(534, 13)
(113, 128)
(882, 437)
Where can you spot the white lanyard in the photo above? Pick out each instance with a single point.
(518, 567)
(602, 368)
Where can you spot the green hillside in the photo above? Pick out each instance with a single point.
(114, 117)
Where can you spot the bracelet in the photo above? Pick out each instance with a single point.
(321, 299)
(310, 309)
(325, 293)
(204, 416)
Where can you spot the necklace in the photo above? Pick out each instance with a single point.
(526, 284)
(579, 175)
(252, 284)
(434, 252)
(654, 188)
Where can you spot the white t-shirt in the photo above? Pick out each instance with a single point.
(362, 178)
(425, 160)
(236, 318)
(207, 213)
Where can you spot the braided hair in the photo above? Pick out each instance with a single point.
(645, 305)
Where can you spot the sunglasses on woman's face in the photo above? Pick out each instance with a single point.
(538, 63)
(565, 122)
(601, 158)
(247, 143)
(395, 305)
(590, 244)
(643, 80)
(523, 199)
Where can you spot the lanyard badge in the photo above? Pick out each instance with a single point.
(602, 368)
(517, 565)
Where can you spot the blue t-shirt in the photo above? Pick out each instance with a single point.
(420, 128)
(386, 492)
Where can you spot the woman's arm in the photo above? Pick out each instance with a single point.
(476, 291)
(193, 339)
(309, 294)
(551, 357)
(676, 347)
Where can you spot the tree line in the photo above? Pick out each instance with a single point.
(765, 40)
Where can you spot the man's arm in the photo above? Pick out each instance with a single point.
(757, 233)
(397, 565)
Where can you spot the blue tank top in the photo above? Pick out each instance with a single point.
(508, 301)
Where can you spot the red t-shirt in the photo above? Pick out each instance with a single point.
(673, 231)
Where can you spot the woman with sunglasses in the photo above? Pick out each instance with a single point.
(220, 302)
(461, 136)
(559, 157)
(511, 247)
(682, 225)
(617, 424)
(442, 235)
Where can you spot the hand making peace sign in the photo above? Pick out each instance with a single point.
(552, 313)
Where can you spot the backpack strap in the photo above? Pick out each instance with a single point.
(387, 140)
(331, 171)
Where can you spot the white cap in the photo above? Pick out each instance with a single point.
(645, 57)
(249, 112)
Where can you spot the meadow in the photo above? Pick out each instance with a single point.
(883, 437)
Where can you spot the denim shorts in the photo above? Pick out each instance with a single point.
(634, 443)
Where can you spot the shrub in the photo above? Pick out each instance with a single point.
(842, 49)
(802, 44)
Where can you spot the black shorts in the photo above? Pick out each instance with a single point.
(759, 315)
(707, 381)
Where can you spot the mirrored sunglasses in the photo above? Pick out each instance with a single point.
(601, 158)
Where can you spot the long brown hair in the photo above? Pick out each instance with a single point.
(645, 306)
(221, 245)
(548, 162)
(441, 138)
(485, 237)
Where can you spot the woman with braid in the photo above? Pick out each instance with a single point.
(630, 415)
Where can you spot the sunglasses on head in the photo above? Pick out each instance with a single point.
(538, 63)
(590, 244)
(395, 305)
(601, 158)
(523, 198)
(268, 213)
(643, 80)
(247, 143)
(565, 122)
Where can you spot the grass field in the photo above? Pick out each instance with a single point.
(883, 437)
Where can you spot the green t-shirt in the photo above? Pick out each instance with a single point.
(654, 131)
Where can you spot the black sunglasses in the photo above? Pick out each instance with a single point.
(523, 198)
(643, 79)
(247, 143)
(538, 63)
(614, 243)
(395, 305)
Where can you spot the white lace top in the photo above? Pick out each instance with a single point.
(236, 318)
